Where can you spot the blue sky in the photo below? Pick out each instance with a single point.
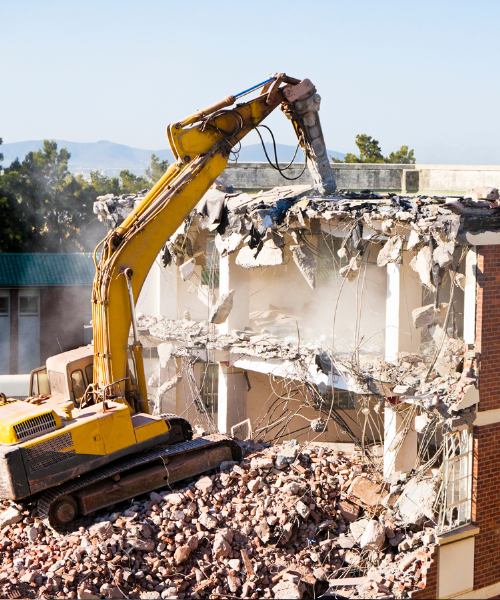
(419, 73)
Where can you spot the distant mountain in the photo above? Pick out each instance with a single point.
(110, 158)
(102, 156)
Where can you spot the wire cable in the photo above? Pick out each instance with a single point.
(276, 166)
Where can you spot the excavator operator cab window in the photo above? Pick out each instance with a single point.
(78, 386)
(89, 372)
(39, 382)
(57, 383)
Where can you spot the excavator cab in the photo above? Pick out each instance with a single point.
(67, 375)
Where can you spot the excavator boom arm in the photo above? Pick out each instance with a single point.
(201, 144)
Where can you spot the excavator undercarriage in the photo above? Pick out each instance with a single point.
(132, 476)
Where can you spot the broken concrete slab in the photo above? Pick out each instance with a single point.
(227, 245)
(222, 308)
(286, 456)
(10, 516)
(470, 398)
(357, 529)
(187, 269)
(373, 537)
(429, 315)
(392, 252)
(306, 263)
(422, 263)
(270, 255)
(443, 254)
(417, 501)
(289, 590)
(367, 492)
(413, 240)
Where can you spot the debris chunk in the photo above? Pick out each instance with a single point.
(187, 269)
(429, 315)
(270, 255)
(220, 312)
(10, 516)
(373, 537)
(422, 264)
(306, 263)
(485, 193)
(392, 252)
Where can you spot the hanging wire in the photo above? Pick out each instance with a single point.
(275, 165)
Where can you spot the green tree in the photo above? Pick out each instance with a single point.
(56, 206)
(14, 230)
(402, 156)
(103, 184)
(156, 169)
(370, 152)
(131, 184)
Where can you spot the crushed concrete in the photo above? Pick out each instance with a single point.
(217, 537)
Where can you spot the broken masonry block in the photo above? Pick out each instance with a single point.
(187, 269)
(220, 312)
(392, 252)
(306, 263)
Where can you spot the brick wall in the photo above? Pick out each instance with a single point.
(486, 480)
(429, 579)
(486, 504)
(488, 325)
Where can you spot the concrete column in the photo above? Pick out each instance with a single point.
(234, 277)
(399, 454)
(404, 294)
(470, 297)
(158, 296)
(232, 398)
(392, 301)
(147, 302)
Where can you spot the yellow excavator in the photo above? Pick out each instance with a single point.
(85, 438)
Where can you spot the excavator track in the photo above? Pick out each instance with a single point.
(199, 451)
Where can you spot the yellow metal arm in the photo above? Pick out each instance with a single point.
(201, 144)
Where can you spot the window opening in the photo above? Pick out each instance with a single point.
(210, 386)
(57, 383)
(210, 271)
(456, 507)
(4, 306)
(28, 305)
(342, 399)
(40, 385)
(78, 385)
(89, 372)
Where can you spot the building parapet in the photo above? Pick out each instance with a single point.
(381, 177)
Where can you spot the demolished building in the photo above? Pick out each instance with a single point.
(356, 319)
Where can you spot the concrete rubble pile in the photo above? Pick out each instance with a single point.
(114, 209)
(289, 521)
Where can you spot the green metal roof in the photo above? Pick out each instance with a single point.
(46, 269)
